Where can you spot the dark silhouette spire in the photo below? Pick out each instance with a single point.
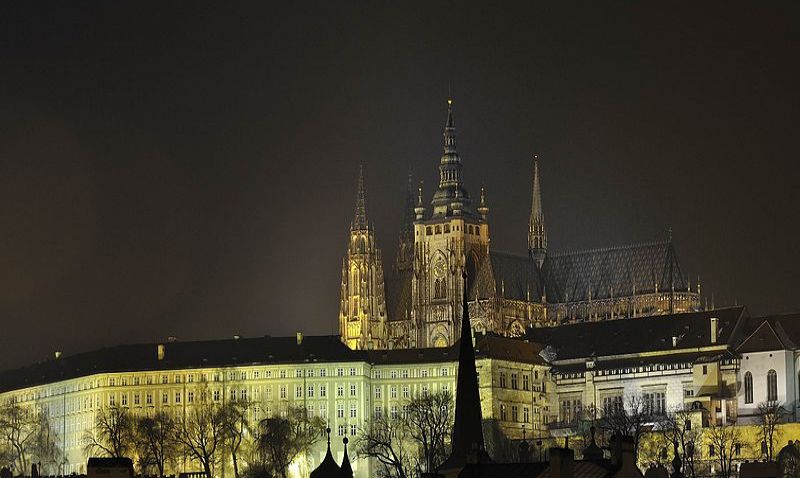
(537, 235)
(360, 218)
(345, 471)
(405, 249)
(467, 439)
(328, 468)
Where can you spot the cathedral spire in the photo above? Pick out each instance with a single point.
(450, 198)
(360, 219)
(537, 235)
(405, 250)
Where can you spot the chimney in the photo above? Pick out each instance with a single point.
(562, 462)
(714, 322)
(674, 340)
(299, 338)
(160, 350)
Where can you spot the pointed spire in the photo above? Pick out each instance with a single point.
(450, 197)
(537, 234)
(346, 471)
(467, 439)
(360, 219)
(483, 209)
(328, 468)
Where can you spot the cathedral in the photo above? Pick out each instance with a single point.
(417, 303)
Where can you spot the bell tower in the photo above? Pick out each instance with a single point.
(451, 240)
(362, 312)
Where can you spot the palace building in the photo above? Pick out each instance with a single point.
(417, 302)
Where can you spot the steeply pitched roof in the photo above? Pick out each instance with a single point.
(512, 276)
(645, 334)
(775, 332)
(617, 271)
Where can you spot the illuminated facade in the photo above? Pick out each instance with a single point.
(319, 373)
(441, 242)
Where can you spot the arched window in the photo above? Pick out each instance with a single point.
(772, 386)
(748, 387)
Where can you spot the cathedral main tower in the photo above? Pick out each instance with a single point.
(362, 313)
(451, 240)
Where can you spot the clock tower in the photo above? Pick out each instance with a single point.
(451, 240)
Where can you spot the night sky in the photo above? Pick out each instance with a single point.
(182, 169)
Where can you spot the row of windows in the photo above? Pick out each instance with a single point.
(772, 387)
(439, 228)
(515, 380)
(231, 376)
(406, 373)
(515, 416)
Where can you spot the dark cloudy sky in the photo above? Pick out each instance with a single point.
(172, 168)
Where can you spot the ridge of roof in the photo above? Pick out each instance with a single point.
(621, 247)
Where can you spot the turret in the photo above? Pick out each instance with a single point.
(537, 235)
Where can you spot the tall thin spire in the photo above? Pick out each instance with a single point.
(450, 197)
(405, 249)
(467, 439)
(537, 235)
(360, 218)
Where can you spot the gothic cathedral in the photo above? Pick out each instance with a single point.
(446, 243)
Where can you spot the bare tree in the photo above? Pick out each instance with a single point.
(723, 442)
(44, 449)
(386, 439)
(770, 415)
(632, 419)
(112, 434)
(201, 432)
(429, 418)
(282, 439)
(18, 432)
(677, 428)
(155, 440)
(235, 425)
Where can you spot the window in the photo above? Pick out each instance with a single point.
(298, 373)
(323, 372)
(283, 374)
(748, 387)
(352, 410)
(216, 395)
(393, 392)
(705, 371)
(444, 372)
(164, 397)
(406, 393)
(163, 379)
(425, 390)
(612, 404)
(772, 386)
(190, 397)
(149, 398)
(340, 390)
(393, 412)
(352, 430)
(404, 374)
(177, 397)
(339, 410)
(323, 391)
(502, 380)
(526, 382)
(393, 374)
(298, 391)
(570, 410)
(378, 411)
(111, 401)
(654, 403)
(352, 390)
(378, 392)
(340, 372)
(514, 413)
(233, 395)
(340, 430)
(503, 416)
(268, 393)
(712, 451)
(526, 415)
(352, 372)
(283, 391)
(423, 373)
(514, 381)
(310, 391)
(124, 399)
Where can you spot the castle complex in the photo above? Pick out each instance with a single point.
(417, 303)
